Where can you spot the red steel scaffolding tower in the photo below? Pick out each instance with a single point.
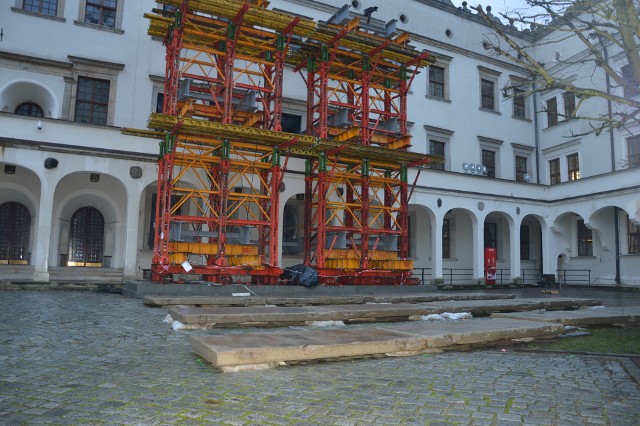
(223, 155)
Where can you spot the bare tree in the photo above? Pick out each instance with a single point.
(603, 28)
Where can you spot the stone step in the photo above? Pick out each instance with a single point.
(235, 352)
(582, 317)
(80, 274)
(277, 316)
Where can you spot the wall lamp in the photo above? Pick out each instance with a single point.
(474, 169)
(39, 125)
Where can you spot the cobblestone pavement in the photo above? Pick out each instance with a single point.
(87, 358)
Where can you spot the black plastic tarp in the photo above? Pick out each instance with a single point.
(301, 275)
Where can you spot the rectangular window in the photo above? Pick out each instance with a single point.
(585, 240)
(489, 160)
(519, 105)
(631, 86)
(487, 94)
(436, 81)
(101, 12)
(552, 112)
(633, 151)
(46, 7)
(554, 171)
(525, 243)
(92, 100)
(446, 239)
(521, 169)
(569, 105)
(634, 237)
(159, 102)
(573, 166)
(437, 148)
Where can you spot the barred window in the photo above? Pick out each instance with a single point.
(634, 237)
(552, 112)
(489, 160)
(519, 105)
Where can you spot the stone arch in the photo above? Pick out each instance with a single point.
(108, 195)
(19, 91)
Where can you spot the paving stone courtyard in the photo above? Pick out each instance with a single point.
(91, 358)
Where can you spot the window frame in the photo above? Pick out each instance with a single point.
(552, 113)
(58, 16)
(32, 106)
(519, 94)
(520, 175)
(117, 27)
(569, 104)
(633, 152)
(94, 102)
(633, 237)
(555, 174)
(489, 76)
(432, 83)
(584, 239)
(486, 155)
(573, 167)
(442, 62)
(631, 88)
(443, 136)
(441, 153)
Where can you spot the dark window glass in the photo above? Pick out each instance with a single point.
(487, 94)
(552, 112)
(92, 100)
(489, 160)
(585, 240)
(569, 105)
(101, 12)
(159, 102)
(521, 168)
(29, 108)
(573, 166)
(291, 123)
(631, 86)
(634, 237)
(446, 239)
(633, 151)
(436, 81)
(46, 7)
(525, 243)
(554, 171)
(519, 106)
(437, 148)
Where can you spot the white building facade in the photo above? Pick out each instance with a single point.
(77, 196)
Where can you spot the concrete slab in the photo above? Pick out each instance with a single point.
(486, 307)
(264, 350)
(164, 300)
(275, 316)
(602, 316)
(294, 315)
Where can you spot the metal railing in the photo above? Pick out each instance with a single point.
(574, 276)
(530, 276)
(423, 273)
(460, 274)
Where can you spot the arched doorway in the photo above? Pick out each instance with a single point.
(15, 226)
(86, 238)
